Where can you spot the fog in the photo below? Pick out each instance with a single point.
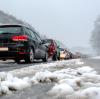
(70, 21)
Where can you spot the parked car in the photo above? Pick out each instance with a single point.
(19, 42)
(53, 50)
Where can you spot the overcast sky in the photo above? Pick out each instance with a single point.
(70, 21)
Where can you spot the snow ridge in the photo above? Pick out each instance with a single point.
(79, 83)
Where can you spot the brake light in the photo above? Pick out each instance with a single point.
(20, 38)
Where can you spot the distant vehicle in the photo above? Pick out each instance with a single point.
(19, 42)
(53, 50)
(64, 53)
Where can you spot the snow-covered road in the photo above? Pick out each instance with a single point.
(72, 79)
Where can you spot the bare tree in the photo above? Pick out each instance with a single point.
(95, 37)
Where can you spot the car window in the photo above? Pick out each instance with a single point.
(32, 34)
(38, 37)
(27, 32)
(10, 29)
(55, 44)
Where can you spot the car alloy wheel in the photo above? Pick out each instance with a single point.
(46, 57)
(54, 58)
(30, 56)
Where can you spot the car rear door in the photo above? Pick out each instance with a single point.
(42, 47)
(32, 41)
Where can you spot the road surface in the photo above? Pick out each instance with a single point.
(11, 65)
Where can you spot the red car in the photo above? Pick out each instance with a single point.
(52, 48)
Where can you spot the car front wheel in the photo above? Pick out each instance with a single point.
(46, 57)
(54, 58)
(17, 60)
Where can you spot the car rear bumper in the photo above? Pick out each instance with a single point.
(12, 55)
(13, 52)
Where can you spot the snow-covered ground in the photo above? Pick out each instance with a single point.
(82, 82)
(47, 66)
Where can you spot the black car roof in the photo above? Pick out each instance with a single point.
(19, 25)
(1, 25)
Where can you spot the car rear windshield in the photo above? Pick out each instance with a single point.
(10, 29)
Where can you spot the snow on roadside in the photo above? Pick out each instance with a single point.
(68, 81)
(10, 83)
(79, 83)
(61, 89)
(35, 68)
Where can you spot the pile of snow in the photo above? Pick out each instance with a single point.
(86, 70)
(62, 89)
(56, 76)
(10, 83)
(79, 83)
(44, 77)
(73, 77)
(90, 93)
(66, 91)
(84, 85)
(45, 66)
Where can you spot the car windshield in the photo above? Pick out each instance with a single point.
(6, 29)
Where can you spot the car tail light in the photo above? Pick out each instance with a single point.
(20, 38)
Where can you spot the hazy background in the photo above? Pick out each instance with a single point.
(70, 21)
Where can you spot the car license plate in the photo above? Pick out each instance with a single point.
(3, 48)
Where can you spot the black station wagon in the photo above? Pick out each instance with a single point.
(19, 42)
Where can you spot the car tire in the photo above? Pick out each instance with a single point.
(54, 58)
(46, 58)
(30, 57)
(58, 58)
(17, 60)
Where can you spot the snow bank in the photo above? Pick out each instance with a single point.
(10, 83)
(44, 77)
(67, 91)
(78, 83)
(86, 70)
(61, 89)
(84, 83)
(89, 93)
(73, 79)
(45, 66)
